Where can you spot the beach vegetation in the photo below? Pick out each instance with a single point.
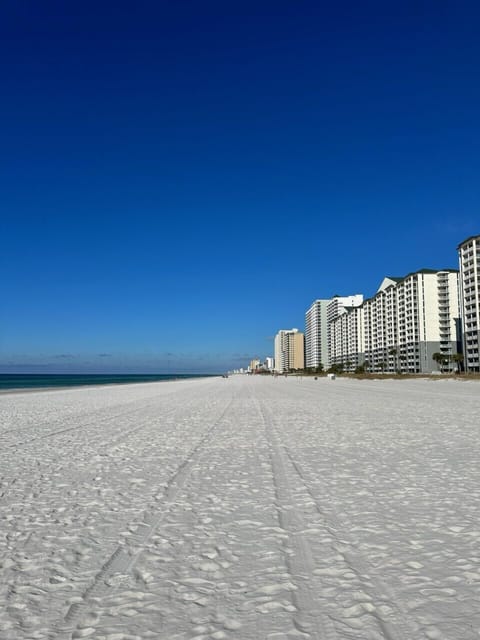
(457, 358)
(336, 368)
(314, 370)
(393, 352)
(442, 360)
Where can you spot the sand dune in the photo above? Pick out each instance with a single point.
(247, 508)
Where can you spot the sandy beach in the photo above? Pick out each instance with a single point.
(242, 508)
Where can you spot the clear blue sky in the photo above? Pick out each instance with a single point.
(181, 179)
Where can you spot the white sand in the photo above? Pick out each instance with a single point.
(244, 509)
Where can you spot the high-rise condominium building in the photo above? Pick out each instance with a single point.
(289, 350)
(348, 338)
(254, 365)
(337, 333)
(269, 362)
(410, 319)
(469, 258)
(316, 335)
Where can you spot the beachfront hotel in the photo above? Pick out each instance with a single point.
(316, 335)
(423, 322)
(347, 338)
(469, 259)
(402, 326)
(342, 308)
(254, 365)
(269, 363)
(289, 350)
(322, 335)
(411, 318)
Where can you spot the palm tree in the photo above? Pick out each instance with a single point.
(440, 359)
(458, 359)
(403, 359)
(394, 352)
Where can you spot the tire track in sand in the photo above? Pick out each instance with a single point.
(115, 438)
(76, 427)
(40, 487)
(117, 569)
(309, 619)
(397, 625)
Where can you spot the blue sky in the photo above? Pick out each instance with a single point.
(181, 179)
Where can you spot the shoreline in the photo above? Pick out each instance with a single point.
(108, 385)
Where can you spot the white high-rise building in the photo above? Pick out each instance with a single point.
(469, 258)
(289, 350)
(336, 336)
(409, 319)
(347, 330)
(316, 335)
(269, 363)
(401, 327)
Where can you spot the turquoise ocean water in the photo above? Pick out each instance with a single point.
(41, 380)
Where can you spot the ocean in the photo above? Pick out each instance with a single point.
(44, 380)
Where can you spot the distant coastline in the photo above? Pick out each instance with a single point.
(38, 381)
